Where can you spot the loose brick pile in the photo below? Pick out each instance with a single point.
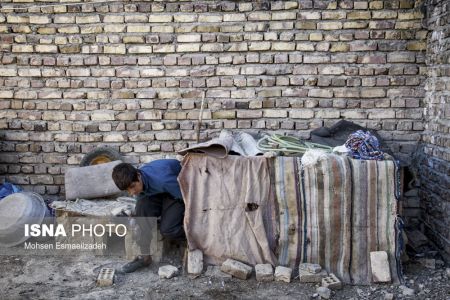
(131, 75)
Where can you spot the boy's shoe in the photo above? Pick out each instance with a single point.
(137, 263)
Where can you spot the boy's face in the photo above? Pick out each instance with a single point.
(136, 187)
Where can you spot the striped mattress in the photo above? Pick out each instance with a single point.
(334, 213)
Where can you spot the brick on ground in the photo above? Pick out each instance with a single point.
(195, 262)
(308, 277)
(312, 268)
(264, 272)
(236, 269)
(332, 282)
(380, 266)
(283, 274)
(105, 277)
(167, 271)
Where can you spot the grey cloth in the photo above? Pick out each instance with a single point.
(240, 143)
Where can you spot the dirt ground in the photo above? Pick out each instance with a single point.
(64, 277)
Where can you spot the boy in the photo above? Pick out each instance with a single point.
(158, 195)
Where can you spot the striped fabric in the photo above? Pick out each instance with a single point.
(333, 213)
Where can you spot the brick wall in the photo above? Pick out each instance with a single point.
(131, 76)
(434, 168)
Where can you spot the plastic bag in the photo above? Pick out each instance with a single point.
(7, 189)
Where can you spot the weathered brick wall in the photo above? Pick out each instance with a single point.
(131, 76)
(434, 169)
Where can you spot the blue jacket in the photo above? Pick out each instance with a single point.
(160, 176)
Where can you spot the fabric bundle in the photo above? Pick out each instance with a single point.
(311, 157)
(364, 145)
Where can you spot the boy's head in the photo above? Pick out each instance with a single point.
(127, 178)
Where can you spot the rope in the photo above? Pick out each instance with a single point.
(287, 144)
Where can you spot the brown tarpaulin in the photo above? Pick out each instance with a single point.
(225, 201)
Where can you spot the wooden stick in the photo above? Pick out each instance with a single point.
(200, 117)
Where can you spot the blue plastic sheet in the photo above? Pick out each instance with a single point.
(7, 189)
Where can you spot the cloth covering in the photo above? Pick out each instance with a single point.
(333, 213)
(217, 195)
(240, 143)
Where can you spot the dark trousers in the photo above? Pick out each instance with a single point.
(169, 209)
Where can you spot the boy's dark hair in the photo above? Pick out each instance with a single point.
(124, 175)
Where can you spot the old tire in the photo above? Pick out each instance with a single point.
(100, 155)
